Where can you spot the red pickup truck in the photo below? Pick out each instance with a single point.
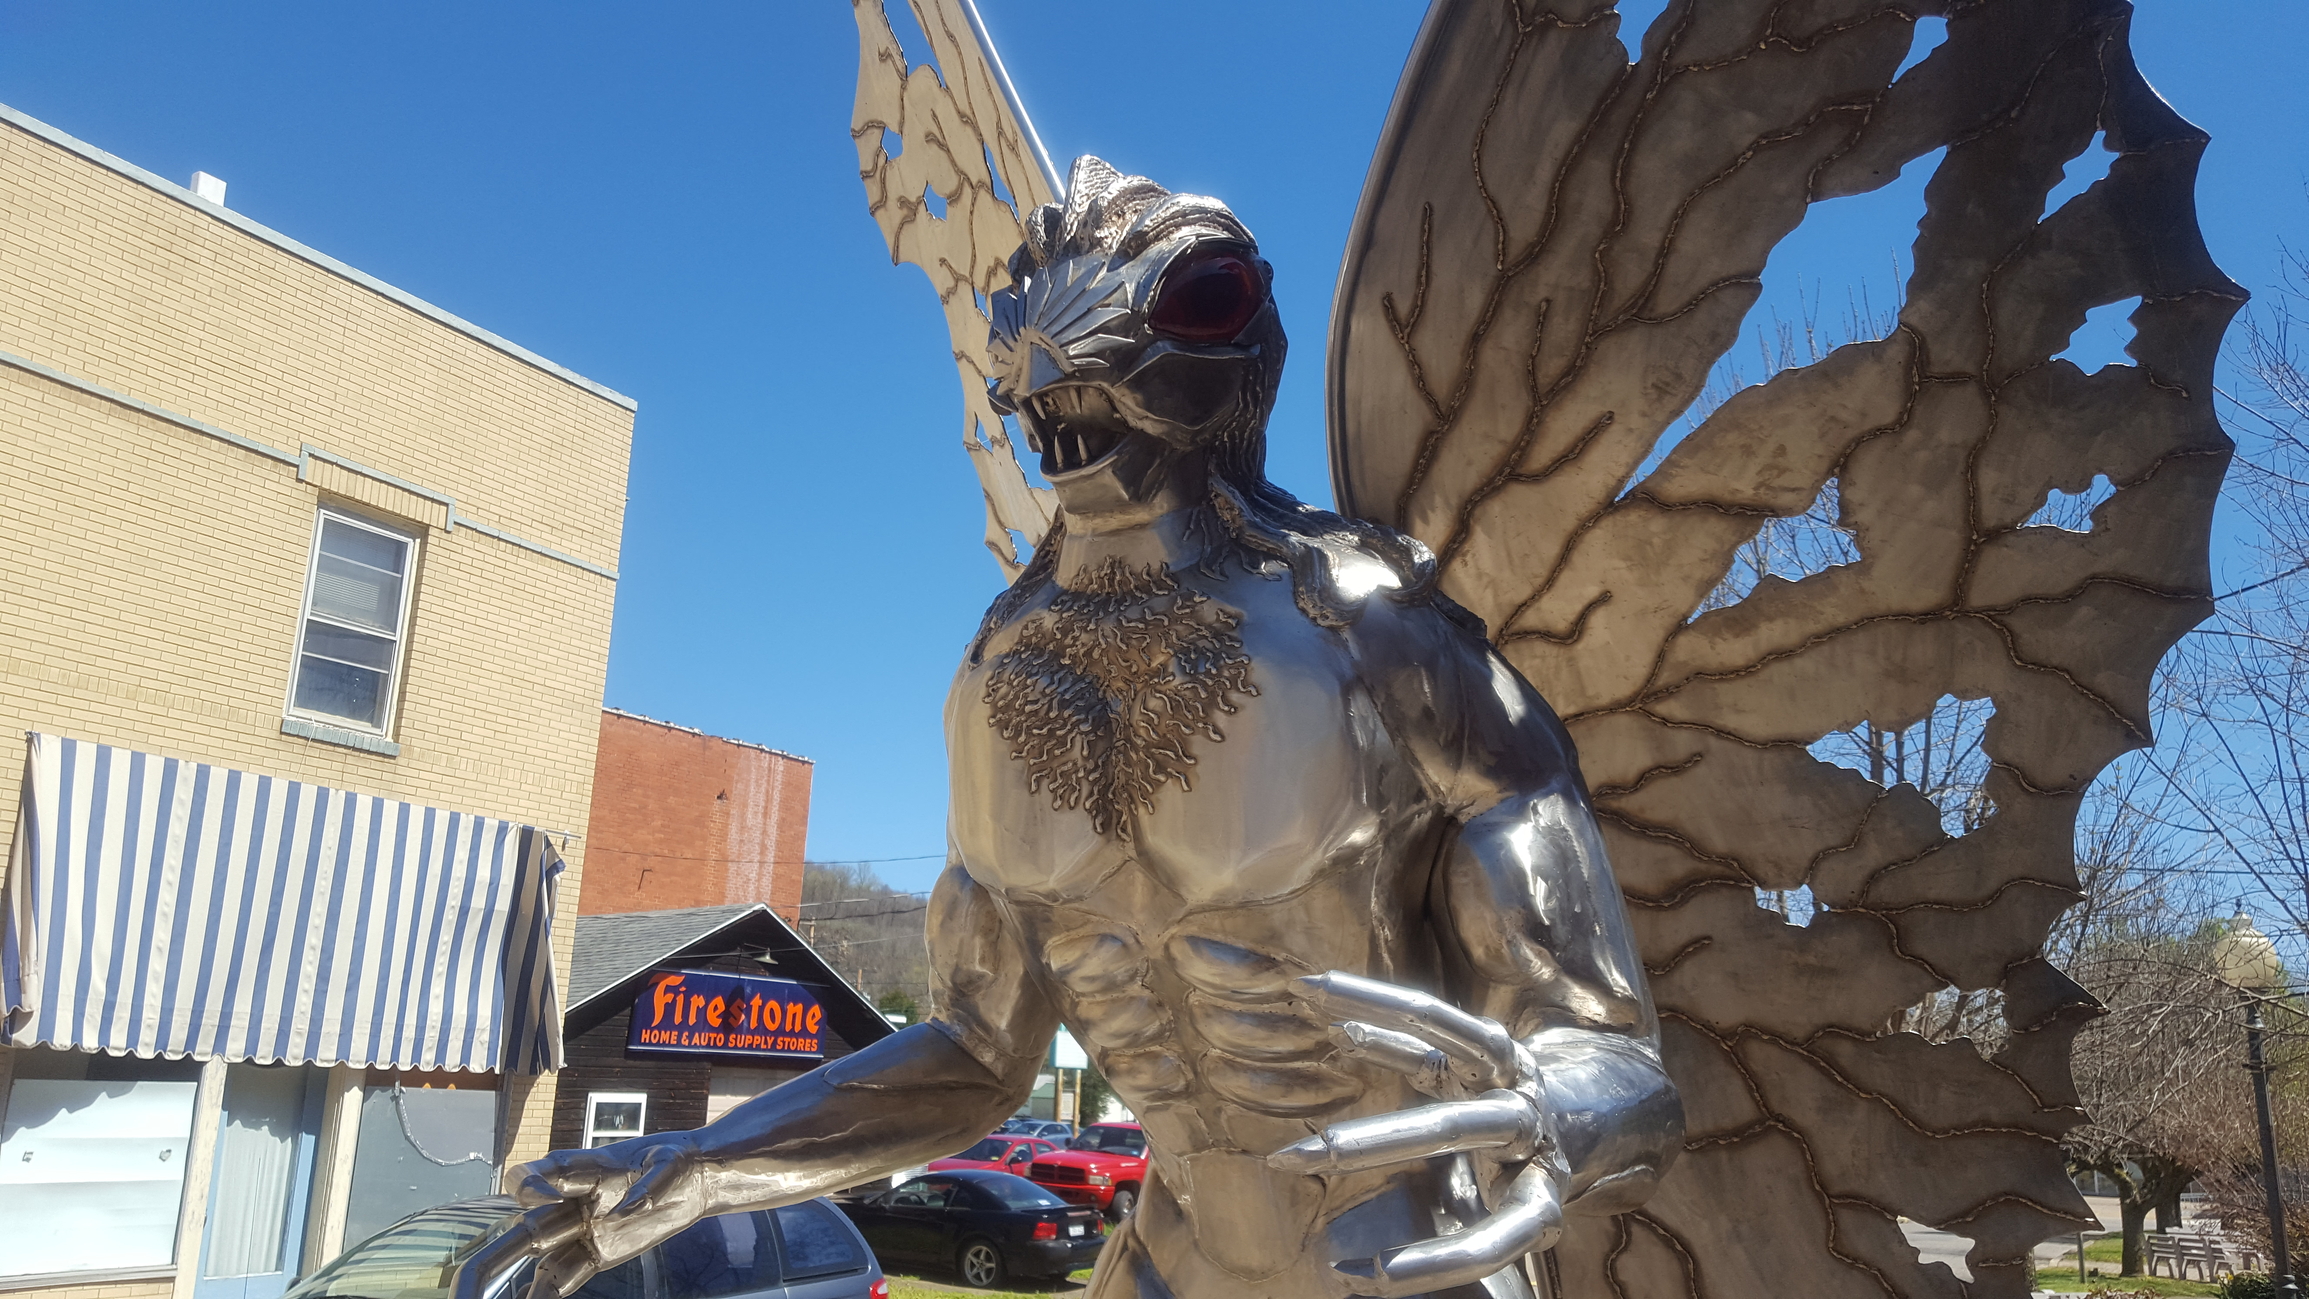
(1103, 1167)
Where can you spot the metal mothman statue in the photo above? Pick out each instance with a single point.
(1260, 815)
(1256, 799)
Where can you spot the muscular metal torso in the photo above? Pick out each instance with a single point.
(1323, 832)
(1304, 864)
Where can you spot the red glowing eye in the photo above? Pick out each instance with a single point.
(1207, 298)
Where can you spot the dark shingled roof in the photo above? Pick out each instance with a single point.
(614, 948)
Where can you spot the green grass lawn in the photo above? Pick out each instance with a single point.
(2102, 1259)
(2103, 1256)
(2061, 1280)
(2056, 1279)
(905, 1285)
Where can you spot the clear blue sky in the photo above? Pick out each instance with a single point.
(665, 199)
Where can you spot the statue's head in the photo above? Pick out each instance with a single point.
(1139, 331)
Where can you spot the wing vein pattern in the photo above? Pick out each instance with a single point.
(948, 201)
(1557, 247)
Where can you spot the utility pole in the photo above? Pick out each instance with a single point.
(2282, 1263)
(2248, 962)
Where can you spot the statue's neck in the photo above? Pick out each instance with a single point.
(1104, 524)
(1167, 540)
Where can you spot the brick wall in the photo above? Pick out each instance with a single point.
(685, 819)
(151, 576)
(157, 1289)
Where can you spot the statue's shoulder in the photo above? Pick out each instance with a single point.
(1383, 603)
(1021, 600)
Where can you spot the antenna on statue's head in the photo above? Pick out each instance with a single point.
(1050, 174)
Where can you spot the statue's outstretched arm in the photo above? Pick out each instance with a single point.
(919, 1094)
(1542, 1049)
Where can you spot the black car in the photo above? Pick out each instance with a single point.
(988, 1226)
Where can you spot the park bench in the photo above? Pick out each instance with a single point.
(2204, 1248)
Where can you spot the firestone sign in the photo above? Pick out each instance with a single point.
(709, 1012)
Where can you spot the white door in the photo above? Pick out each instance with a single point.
(262, 1182)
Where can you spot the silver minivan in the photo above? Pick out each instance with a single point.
(802, 1251)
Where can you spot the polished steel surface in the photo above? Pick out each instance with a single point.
(1266, 822)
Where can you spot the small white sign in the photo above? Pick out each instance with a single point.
(1066, 1053)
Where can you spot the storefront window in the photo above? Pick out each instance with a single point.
(418, 1147)
(92, 1162)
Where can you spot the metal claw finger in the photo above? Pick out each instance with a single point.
(1430, 1070)
(563, 1271)
(564, 1175)
(535, 1235)
(1476, 1041)
(1529, 1220)
(566, 1182)
(1500, 1121)
(551, 1226)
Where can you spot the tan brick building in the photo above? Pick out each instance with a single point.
(271, 529)
(685, 819)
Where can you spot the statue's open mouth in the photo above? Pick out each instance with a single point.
(1077, 425)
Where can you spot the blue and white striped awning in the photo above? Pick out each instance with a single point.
(163, 907)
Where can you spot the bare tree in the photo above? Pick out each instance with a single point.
(2159, 1073)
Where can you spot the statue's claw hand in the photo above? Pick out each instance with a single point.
(1502, 1124)
(1391, 1025)
(592, 1209)
(1528, 1219)
(1490, 1109)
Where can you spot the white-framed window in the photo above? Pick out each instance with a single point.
(92, 1170)
(356, 617)
(613, 1116)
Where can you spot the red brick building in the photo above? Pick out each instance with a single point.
(685, 819)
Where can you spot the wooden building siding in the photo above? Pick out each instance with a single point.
(676, 1085)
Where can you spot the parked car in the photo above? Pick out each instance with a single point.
(1047, 1129)
(1103, 1168)
(988, 1226)
(477, 1249)
(1000, 1153)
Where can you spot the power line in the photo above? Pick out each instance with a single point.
(890, 905)
(764, 861)
(843, 917)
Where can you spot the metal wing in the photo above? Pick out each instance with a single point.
(1555, 248)
(949, 162)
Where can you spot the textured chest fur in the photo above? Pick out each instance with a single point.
(1103, 696)
(1203, 729)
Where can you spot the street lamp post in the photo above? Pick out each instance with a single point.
(2248, 962)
